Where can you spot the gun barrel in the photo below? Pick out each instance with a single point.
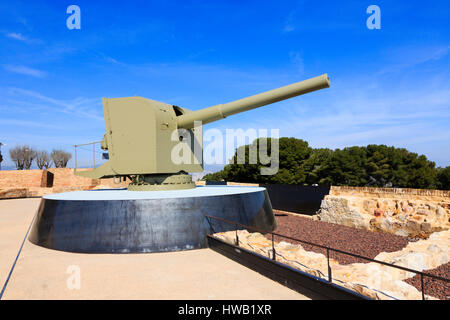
(221, 111)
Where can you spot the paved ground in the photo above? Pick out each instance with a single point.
(45, 274)
(15, 217)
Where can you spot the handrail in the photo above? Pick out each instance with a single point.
(422, 274)
(93, 151)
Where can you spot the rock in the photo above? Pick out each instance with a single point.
(401, 232)
(421, 255)
(375, 224)
(368, 205)
(13, 193)
(370, 279)
(378, 212)
(418, 218)
(413, 226)
(422, 212)
(390, 225)
(440, 213)
(365, 291)
(434, 248)
(406, 291)
(337, 210)
(425, 227)
(413, 260)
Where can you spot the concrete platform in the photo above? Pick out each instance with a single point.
(42, 273)
(123, 221)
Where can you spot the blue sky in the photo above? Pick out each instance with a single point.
(388, 86)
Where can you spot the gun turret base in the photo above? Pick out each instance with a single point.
(123, 221)
(156, 182)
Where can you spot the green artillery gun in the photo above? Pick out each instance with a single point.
(141, 135)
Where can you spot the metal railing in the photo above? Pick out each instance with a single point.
(93, 151)
(327, 248)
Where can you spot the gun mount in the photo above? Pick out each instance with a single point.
(141, 135)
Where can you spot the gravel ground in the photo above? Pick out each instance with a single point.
(434, 287)
(357, 241)
(362, 242)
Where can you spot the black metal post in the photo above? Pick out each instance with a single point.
(329, 268)
(423, 289)
(273, 250)
(237, 238)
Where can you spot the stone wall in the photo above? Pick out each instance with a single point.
(20, 178)
(244, 184)
(36, 183)
(405, 212)
(397, 193)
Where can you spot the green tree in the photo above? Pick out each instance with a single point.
(346, 167)
(443, 178)
(292, 156)
(316, 165)
(372, 165)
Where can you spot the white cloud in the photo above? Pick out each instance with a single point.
(297, 60)
(45, 122)
(25, 70)
(81, 107)
(289, 25)
(288, 28)
(27, 123)
(17, 36)
(403, 58)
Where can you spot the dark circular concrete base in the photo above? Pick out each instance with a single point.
(121, 221)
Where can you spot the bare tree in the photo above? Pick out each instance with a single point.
(17, 157)
(22, 156)
(60, 158)
(1, 157)
(43, 159)
(29, 156)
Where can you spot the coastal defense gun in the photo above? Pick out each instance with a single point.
(144, 138)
